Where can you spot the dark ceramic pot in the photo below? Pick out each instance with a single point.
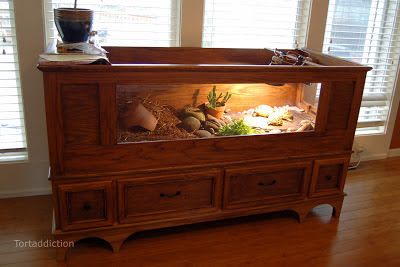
(73, 24)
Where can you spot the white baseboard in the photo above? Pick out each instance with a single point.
(394, 152)
(25, 193)
(368, 157)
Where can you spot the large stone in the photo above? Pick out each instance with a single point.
(191, 124)
(202, 133)
(275, 131)
(194, 112)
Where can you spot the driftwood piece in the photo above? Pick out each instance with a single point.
(305, 126)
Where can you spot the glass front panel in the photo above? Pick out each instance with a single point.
(155, 112)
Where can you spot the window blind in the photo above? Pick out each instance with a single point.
(125, 23)
(256, 23)
(367, 32)
(12, 128)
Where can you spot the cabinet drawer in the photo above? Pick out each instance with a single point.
(329, 176)
(168, 196)
(259, 186)
(85, 205)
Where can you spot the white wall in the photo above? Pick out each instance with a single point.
(29, 178)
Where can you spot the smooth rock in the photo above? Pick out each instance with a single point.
(212, 125)
(256, 122)
(264, 110)
(275, 131)
(194, 112)
(191, 124)
(202, 133)
(219, 122)
(210, 130)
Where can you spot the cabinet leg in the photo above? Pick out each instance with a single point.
(116, 245)
(301, 214)
(61, 253)
(337, 209)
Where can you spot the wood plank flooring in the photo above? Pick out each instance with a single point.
(367, 233)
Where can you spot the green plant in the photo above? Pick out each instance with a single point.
(214, 101)
(237, 127)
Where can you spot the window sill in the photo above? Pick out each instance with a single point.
(13, 157)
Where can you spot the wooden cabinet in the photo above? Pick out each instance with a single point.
(110, 183)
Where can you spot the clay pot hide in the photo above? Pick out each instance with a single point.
(218, 112)
(137, 115)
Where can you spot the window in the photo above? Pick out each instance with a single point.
(367, 32)
(126, 23)
(12, 128)
(256, 23)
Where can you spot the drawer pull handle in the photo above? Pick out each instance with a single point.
(87, 207)
(267, 184)
(328, 177)
(178, 193)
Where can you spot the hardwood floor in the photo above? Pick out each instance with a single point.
(367, 233)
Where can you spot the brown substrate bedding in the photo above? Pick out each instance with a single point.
(166, 128)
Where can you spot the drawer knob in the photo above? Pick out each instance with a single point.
(163, 195)
(87, 206)
(267, 184)
(328, 177)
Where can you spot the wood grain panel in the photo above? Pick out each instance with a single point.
(340, 103)
(187, 55)
(322, 114)
(55, 136)
(80, 109)
(396, 132)
(329, 176)
(169, 195)
(85, 204)
(244, 96)
(261, 185)
(108, 113)
(197, 152)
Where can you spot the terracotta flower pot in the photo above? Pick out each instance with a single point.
(73, 24)
(218, 112)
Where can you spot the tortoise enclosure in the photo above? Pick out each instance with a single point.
(145, 143)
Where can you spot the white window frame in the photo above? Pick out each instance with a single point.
(375, 126)
(191, 25)
(175, 23)
(301, 34)
(16, 154)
